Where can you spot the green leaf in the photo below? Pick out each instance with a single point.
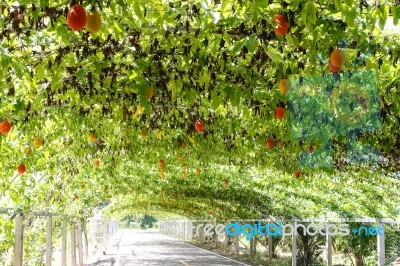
(235, 98)
(137, 10)
(251, 42)
(350, 16)
(262, 3)
(349, 2)
(275, 55)
(338, 4)
(304, 16)
(122, 3)
(40, 72)
(204, 79)
(80, 73)
(225, 4)
(214, 100)
(189, 96)
(5, 61)
(238, 46)
(383, 16)
(311, 14)
(396, 14)
(117, 27)
(292, 39)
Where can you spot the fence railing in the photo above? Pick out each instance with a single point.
(191, 230)
(72, 229)
(101, 231)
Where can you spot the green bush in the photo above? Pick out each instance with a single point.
(141, 220)
(357, 247)
(308, 249)
(392, 243)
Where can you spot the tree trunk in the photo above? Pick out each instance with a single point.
(359, 260)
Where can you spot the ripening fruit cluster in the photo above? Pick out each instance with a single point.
(5, 128)
(284, 85)
(78, 19)
(335, 63)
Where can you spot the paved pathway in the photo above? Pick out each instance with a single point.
(136, 247)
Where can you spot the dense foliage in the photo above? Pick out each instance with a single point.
(103, 130)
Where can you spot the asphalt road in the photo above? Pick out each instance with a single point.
(136, 247)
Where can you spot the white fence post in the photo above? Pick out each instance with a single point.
(328, 249)
(294, 247)
(64, 242)
(253, 249)
(86, 242)
(73, 246)
(251, 243)
(381, 244)
(226, 238)
(269, 249)
(18, 239)
(237, 243)
(201, 232)
(49, 240)
(80, 246)
(182, 231)
(215, 234)
(187, 230)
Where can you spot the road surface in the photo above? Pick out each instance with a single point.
(137, 247)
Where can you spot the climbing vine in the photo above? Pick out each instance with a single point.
(92, 113)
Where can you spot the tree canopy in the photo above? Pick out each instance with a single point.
(108, 106)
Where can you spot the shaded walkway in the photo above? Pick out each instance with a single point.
(136, 247)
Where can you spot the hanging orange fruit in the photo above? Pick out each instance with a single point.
(93, 22)
(77, 17)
